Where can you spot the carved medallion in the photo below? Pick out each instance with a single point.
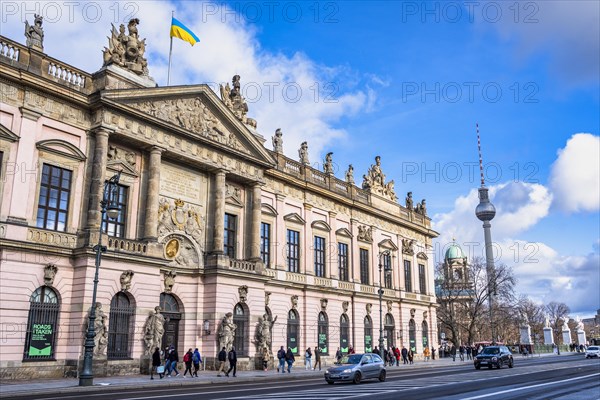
(172, 249)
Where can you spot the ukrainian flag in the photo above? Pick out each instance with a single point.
(182, 32)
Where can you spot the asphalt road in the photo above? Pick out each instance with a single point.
(560, 378)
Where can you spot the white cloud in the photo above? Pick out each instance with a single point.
(292, 92)
(575, 175)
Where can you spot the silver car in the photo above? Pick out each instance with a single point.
(356, 367)
(592, 351)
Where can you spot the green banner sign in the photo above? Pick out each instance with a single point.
(323, 343)
(40, 342)
(368, 343)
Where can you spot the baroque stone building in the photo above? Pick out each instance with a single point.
(218, 240)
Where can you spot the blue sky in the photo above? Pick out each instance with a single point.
(408, 81)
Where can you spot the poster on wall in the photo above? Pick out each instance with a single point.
(323, 343)
(368, 344)
(40, 343)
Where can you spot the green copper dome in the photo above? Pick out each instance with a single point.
(454, 252)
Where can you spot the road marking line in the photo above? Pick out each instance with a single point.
(529, 387)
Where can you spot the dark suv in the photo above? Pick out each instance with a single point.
(494, 356)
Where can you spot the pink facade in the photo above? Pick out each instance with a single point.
(246, 225)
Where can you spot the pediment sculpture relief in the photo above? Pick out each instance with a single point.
(176, 215)
(407, 247)
(374, 181)
(365, 233)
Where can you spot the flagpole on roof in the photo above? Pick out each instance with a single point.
(170, 52)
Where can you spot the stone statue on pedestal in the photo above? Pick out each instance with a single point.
(409, 201)
(154, 329)
(263, 334)
(278, 142)
(100, 330)
(227, 332)
(127, 51)
(328, 165)
(350, 175)
(303, 153)
(35, 33)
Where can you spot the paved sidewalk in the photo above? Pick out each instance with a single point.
(70, 385)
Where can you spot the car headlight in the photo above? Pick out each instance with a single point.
(346, 371)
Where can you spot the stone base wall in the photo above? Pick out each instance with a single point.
(37, 370)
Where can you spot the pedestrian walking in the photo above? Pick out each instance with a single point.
(317, 358)
(222, 359)
(411, 355)
(187, 360)
(351, 350)
(289, 358)
(338, 356)
(453, 352)
(461, 352)
(167, 362)
(308, 359)
(281, 358)
(397, 356)
(266, 357)
(156, 364)
(469, 352)
(173, 360)
(232, 357)
(404, 353)
(426, 353)
(433, 353)
(196, 360)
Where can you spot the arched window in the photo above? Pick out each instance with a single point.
(368, 334)
(323, 331)
(42, 324)
(344, 333)
(425, 329)
(390, 330)
(240, 319)
(170, 309)
(412, 335)
(293, 329)
(120, 327)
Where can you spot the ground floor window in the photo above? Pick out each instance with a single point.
(323, 332)
(368, 336)
(171, 311)
(293, 328)
(425, 334)
(412, 335)
(42, 324)
(120, 324)
(389, 330)
(240, 319)
(344, 333)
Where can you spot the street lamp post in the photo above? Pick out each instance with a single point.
(108, 205)
(382, 254)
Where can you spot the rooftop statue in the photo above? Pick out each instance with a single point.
(374, 181)
(278, 141)
(328, 165)
(303, 153)
(127, 51)
(35, 33)
(350, 174)
(233, 99)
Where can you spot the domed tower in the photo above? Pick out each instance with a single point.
(486, 211)
(455, 265)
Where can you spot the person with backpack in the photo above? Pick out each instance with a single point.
(173, 360)
(289, 358)
(308, 359)
(281, 357)
(232, 357)
(222, 357)
(317, 358)
(196, 360)
(187, 360)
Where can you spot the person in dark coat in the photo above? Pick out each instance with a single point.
(453, 352)
(281, 358)
(196, 359)
(317, 357)
(289, 358)
(232, 357)
(187, 359)
(222, 359)
(156, 362)
(404, 353)
(173, 360)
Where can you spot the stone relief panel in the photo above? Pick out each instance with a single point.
(182, 183)
(45, 104)
(181, 228)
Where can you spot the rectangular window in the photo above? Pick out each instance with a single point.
(407, 276)
(230, 235)
(364, 266)
(343, 261)
(116, 227)
(422, 286)
(293, 251)
(319, 256)
(265, 243)
(387, 268)
(53, 204)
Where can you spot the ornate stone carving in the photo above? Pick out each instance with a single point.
(421, 208)
(227, 332)
(50, 271)
(374, 181)
(365, 233)
(187, 255)
(267, 298)
(263, 332)
(412, 312)
(117, 154)
(125, 279)
(243, 292)
(278, 141)
(169, 280)
(345, 305)
(408, 246)
(233, 99)
(324, 304)
(350, 174)
(425, 315)
(303, 153)
(179, 216)
(172, 248)
(101, 338)
(580, 326)
(328, 164)
(565, 326)
(233, 192)
(369, 307)
(35, 33)
(294, 299)
(409, 201)
(154, 329)
(127, 51)
(389, 305)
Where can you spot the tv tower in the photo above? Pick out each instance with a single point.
(486, 211)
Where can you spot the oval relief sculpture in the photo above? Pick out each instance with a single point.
(172, 249)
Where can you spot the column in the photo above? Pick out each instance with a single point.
(255, 222)
(219, 229)
(152, 193)
(280, 234)
(98, 177)
(332, 249)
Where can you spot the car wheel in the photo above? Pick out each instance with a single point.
(330, 382)
(490, 366)
(511, 363)
(500, 364)
(357, 378)
(382, 376)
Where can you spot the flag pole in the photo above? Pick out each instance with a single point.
(170, 51)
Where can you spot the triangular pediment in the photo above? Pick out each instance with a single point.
(294, 217)
(388, 244)
(61, 148)
(192, 110)
(121, 166)
(7, 134)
